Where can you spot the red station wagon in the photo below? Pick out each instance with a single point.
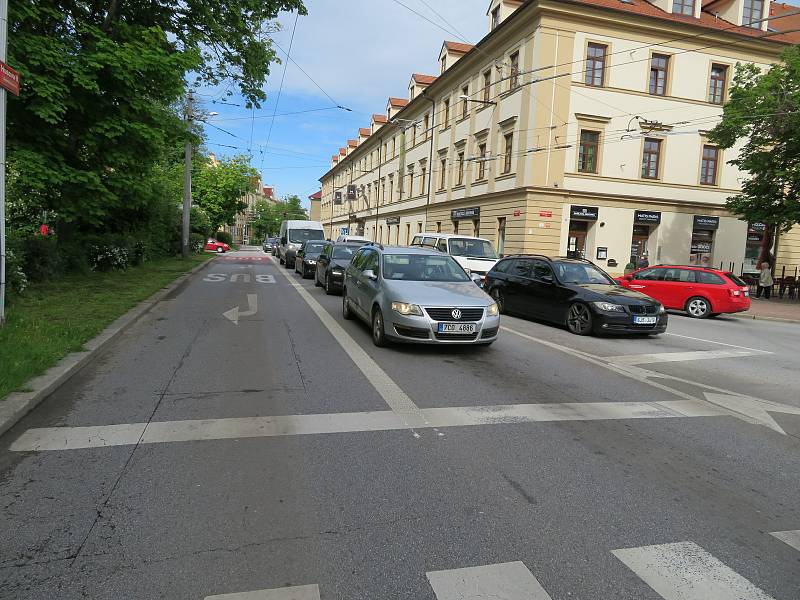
(699, 291)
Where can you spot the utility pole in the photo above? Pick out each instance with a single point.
(187, 178)
(3, 47)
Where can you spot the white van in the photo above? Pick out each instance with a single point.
(476, 255)
(292, 236)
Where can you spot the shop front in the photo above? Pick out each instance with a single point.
(469, 217)
(701, 252)
(644, 223)
(582, 219)
(752, 249)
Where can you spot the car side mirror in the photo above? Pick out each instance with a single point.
(370, 274)
(476, 279)
(283, 240)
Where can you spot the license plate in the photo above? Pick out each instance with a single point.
(644, 320)
(465, 328)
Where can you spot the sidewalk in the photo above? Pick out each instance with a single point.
(773, 309)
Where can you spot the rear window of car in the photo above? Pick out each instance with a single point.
(735, 279)
(709, 278)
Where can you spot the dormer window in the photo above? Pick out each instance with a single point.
(444, 63)
(495, 17)
(683, 7)
(752, 13)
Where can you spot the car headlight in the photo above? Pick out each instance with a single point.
(608, 307)
(661, 309)
(493, 310)
(406, 309)
(311, 261)
(337, 271)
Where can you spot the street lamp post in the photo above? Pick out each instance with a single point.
(3, 45)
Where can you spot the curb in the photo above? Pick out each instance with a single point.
(761, 318)
(17, 404)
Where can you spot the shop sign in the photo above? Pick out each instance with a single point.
(351, 192)
(393, 220)
(587, 213)
(337, 198)
(755, 237)
(701, 222)
(757, 226)
(701, 247)
(546, 213)
(465, 213)
(517, 212)
(647, 217)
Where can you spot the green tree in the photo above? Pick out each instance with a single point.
(764, 110)
(218, 188)
(268, 217)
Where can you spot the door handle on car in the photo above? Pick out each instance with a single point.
(637, 287)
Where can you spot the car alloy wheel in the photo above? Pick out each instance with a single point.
(698, 308)
(497, 296)
(579, 319)
(220, 249)
(378, 333)
(346, 313)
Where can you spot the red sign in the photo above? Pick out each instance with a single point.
(545, 213)
(517, 212)
(9, 78)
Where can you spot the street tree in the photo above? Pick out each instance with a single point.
(764, 112)
(268, 215)
(218, 188)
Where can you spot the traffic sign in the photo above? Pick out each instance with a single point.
(9, 79)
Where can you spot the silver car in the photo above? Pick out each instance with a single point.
(417, 295)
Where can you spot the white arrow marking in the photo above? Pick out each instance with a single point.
(753, 410)
(234, 313)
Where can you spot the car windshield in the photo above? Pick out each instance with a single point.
(314, 247)
(581, 273)
(344, 252)
(472, 248)
(298, 236)
(421, 267)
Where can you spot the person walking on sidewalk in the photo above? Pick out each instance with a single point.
(765, 281)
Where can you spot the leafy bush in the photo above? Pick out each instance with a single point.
(15, 276)
(197, 242)
(41, 257)
(108, 258)
(224, 237)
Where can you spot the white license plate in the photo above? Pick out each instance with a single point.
(644, 320)
(465, 328)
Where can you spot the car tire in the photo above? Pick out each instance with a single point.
(328, 288)
(287, 265)
(498, 297)
(579, 319)
(347, 314)
(714, 315)
(698, 307)
(280, 260)
(220, 250)
(316, 280)
(378, 329)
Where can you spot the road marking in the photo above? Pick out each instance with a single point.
(507, 581)
(662, 357)
(718, 343)
(391, 393)
(74, 438)
(252, 309)
(223, 277)
(684, 571)
(301, 592)
(791, 538)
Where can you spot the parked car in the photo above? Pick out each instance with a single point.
(352, 238)
(305, 262)
(700, 291)
(331, 265)
(292, 235)
(417, 295)
(572, 292)
(213, 245)
(476, 255)
(269, 245)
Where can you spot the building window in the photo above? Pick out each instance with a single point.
(587, 151)
(464, 101)
(495, 17)
(423, 171)
(455, 227)
(444, 63)
(716, 84)
(481, 161)
(438, 227)
(442, 173)
(650, 158)
(411, 181)
(487, 86)
(427, 124)
(501, 235)
(753, 11)
(414, 135)
(683, 7)
(596, 65)
(658, 74)
(446, 112)
(391, 189)
(460, 178)
(708, 165)
(514, 80)
(476, 227)
(509, 145)
(394, 147)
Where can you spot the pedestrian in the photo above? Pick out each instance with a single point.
(643, 262)
(765, 281)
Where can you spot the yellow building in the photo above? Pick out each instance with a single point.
(573, 127)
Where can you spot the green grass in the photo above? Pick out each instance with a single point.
(52, 319)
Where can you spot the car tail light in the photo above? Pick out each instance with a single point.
(746, 292)
(735, 293)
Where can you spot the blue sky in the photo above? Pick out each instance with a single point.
(359, 52)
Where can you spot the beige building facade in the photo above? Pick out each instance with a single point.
(574, 127)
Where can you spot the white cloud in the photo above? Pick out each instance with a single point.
(363, 51)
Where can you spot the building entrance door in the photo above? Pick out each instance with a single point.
(641, 235)
(576, 243)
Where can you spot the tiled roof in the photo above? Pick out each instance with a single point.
(423, 79)
(316, 196)
(707, 19)
(335, 157)
(459, 47)
(352, 143)
(364, 131)
(342, 151)
(380, 118)
(776, 9)
(398, 101)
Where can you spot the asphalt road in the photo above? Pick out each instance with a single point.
(286, 456)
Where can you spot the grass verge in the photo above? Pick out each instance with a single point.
(52, 319)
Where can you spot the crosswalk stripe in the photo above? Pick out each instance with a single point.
(685, 571)
(792, 538)
(301, 592)
(509, 581)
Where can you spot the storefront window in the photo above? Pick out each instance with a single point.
(576, 243)
(752, 249)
